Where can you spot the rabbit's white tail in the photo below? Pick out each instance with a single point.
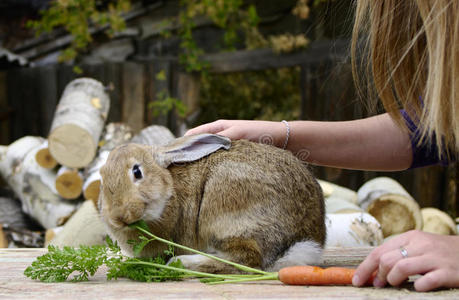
(300, 253)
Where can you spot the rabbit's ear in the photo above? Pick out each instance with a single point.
(191, 148)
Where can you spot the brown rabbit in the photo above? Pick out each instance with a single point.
(246, 202)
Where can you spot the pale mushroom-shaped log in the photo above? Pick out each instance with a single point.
(437, 221)
(386, 200)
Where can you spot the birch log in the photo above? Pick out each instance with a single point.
(153, 135)
(352, 230)
(78, 123)
(332, 190)
(339, 199)
(69, 182)
(44, 157)
(386, 200)
(83, 228)
(11, 213)
(114, 134)
(34, 185)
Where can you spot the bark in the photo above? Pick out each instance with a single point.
(153, 135)
(353, 230)
(32, 184)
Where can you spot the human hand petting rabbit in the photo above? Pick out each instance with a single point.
(250, 203)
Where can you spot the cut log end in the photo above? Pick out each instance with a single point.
(396, 214)
(69, 184)
(45, 159)
(437, 221)
(72, 146)
(92, 191)
(3, 239)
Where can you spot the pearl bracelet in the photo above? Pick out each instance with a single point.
(288, 134)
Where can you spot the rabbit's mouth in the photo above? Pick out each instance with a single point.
(124, 220)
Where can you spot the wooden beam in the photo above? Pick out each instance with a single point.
(50, 42)
(133, 95)
(261, 59)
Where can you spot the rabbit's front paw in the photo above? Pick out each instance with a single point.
(200, 263)
(192, 261)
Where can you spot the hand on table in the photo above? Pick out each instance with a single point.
(435, 256)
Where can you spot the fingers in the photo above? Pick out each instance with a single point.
(387, 261)
(367, 267)
(373, 261)
(213, 127)
(233, 133)
(433, 280)
(406, 267)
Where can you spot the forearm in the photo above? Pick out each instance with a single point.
(374, 143)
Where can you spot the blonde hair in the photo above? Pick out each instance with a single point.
(412, 54)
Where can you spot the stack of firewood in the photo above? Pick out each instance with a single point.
(52, 177)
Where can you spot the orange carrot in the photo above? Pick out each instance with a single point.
(309, 275)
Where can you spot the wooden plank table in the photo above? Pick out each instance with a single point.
(14, 285)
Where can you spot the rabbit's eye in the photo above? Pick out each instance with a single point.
(137, 172)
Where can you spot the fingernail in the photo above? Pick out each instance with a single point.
(356, 280)
(378, 283)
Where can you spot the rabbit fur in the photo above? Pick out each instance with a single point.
(251, 203)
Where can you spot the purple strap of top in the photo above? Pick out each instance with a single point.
(427, 153)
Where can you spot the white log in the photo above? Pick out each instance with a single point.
(91, 186)
(352, 230)
(69, 182)
(78, 123)
(395, 209)
(337, 191)
(437, 221)
(83, 228)
(115, 134)
(11, 213)
(33, 184)
(44, 157)
(336, 205)
(153, 135)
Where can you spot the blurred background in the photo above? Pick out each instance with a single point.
(181, 63)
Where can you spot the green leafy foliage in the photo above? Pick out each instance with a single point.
(59, 264)
(229, 15)
(269, 95)
(164, 103)
(78, 17)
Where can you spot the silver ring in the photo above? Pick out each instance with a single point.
(403, 252)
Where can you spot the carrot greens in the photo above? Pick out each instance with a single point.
(78, 264)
